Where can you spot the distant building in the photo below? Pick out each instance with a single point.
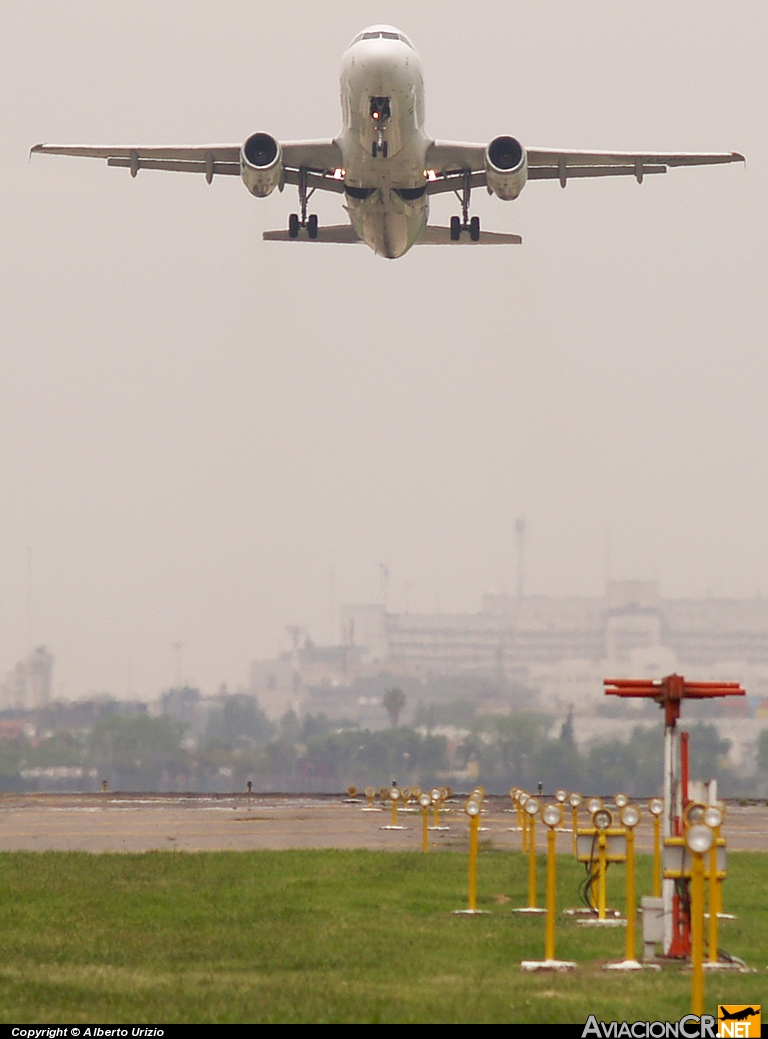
(566, 646)
(28, 686)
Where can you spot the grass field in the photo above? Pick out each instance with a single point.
(328, 936)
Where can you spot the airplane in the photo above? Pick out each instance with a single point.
(384, 163)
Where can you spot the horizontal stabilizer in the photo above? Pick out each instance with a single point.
(344, 234)
(442, 236)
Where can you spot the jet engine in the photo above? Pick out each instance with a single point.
(261, 164)
(506, 167)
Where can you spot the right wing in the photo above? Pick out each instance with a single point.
(321, 159)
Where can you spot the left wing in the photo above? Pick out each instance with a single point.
(321, 159)
(449, 162)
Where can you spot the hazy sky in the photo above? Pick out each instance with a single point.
(206, 437)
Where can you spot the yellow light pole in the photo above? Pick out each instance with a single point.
(521, 800)
(395, 797)
(601, 820)
(552, 816)
(425, 802)
(574, 801)
(656, 808)
(435, 796)
(531, 808)
(629, 817)
(699, 839)
(713, 818)
(472, 808)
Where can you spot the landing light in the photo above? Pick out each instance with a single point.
(561, 796)
(620, 800)
(472, 808)
(532, 805)
(656, 806)
(575, 800)
(594, 804)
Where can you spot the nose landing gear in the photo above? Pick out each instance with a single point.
(381, 112)
(296, 222)
(463, 223)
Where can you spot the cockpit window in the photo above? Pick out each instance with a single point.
(382, 36)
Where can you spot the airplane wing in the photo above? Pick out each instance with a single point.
(322, 159)
(448, 163)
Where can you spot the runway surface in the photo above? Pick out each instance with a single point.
(197, 822)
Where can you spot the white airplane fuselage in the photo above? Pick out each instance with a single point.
(382, 142)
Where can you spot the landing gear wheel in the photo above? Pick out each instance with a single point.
(384, 149)
(312, 227)
(374, 149)
(474, 229)
(293, 225)
(455, 228)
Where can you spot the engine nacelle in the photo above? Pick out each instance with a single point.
(506, 167)
(261, 164)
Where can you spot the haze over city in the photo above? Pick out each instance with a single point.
(207, 438)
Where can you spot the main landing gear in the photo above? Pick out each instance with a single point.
(296, 222)
(463, 223)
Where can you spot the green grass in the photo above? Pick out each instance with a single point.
(327, 936)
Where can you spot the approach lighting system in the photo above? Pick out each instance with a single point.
(593, 804)
(656, 806)
(561, 796)
(472, 807)
(629, 816)
(532, 805)
(620, 800)
(574, 800)
(425, 800)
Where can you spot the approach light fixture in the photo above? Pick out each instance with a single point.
(713, 817)
(699, 838)
(552, 815)
(602, 819)
(629, 816)
(694, 813)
